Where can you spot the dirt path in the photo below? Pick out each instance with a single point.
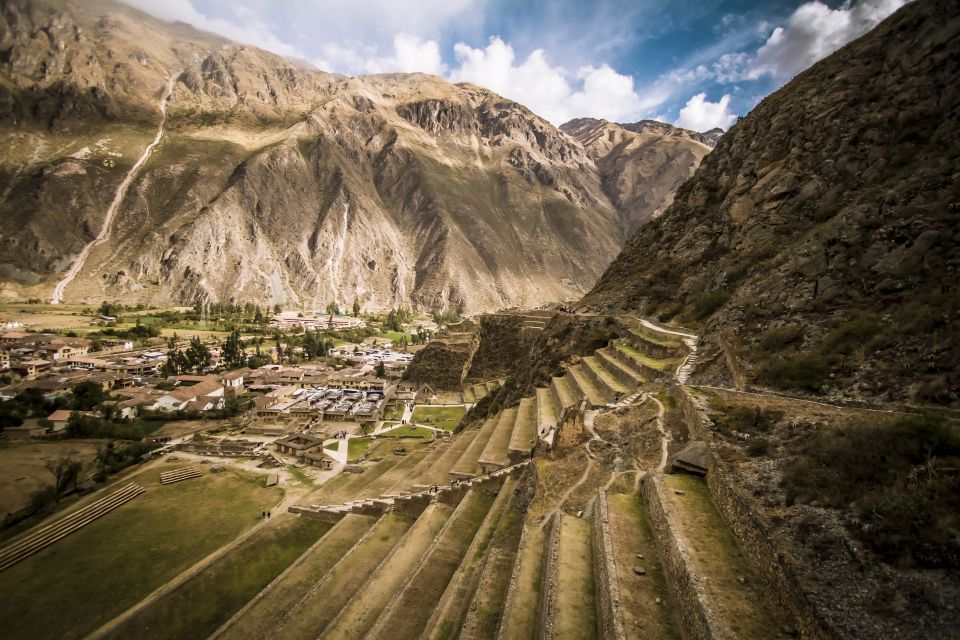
(118, 197)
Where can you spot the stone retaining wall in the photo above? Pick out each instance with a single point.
(750, 527)
(318, 514)
(609, 613)
(699, 621)
(546, 620)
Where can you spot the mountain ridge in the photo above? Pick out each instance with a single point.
(277, 184)
(817, 244)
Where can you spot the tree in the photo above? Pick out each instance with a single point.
(333, 309)
(198, 356)
(277, 308)
(381, 370)
(258, 316)
(65, 471)
(233, 353)
(87, 395)
(356, 307)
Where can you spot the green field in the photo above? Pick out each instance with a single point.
(356, 447)
(446, 418)
(203, 603)
(91, 576)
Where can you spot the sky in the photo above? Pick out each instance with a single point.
(698, 64)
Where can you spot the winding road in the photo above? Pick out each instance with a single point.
(118, 197)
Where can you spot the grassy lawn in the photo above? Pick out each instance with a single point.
(446, 418)
(112, 563)
(356, 447)
(207, 600)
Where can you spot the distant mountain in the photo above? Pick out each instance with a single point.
(818, 244)
(641, 164)
(273, 182)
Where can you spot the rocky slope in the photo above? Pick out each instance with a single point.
(641, 164)
(274, 182)
(818, 244)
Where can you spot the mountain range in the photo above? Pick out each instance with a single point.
(272, 182)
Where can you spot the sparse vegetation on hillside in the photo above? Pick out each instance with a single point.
(900, 480)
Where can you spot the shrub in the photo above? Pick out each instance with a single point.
(846, 338)
(706, 305)
(805, 372)
(758, 446)
(897, 479)
(745, 419)
(778, 338)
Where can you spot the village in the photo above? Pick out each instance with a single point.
(277, 397)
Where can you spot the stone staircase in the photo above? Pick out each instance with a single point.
(45, 536)
(178, 475)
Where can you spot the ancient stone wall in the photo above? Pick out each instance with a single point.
(699, 622)
(317, 514)
(546, 620)
(609, 614)
(443, 363)
(753, 532)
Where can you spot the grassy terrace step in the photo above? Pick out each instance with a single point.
(519, 620)
(358, 615)
(546, 410)
(641, 360)
(575, 608)
(658, 338)
(201, 604)
(318, 606)
(487, 608)
(467, 465)
(631, 535)
(397, 473)
(563, 392)
(495, 454)
(431, 455)
(524, 436)
(585, 386)
(449, 613)
(260, 616)
(612, 361)
(744, 608)
(606, 383)
(407, 614)
(347, 486)
(439, 470)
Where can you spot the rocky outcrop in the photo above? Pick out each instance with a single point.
(641, 164)
(822, 230)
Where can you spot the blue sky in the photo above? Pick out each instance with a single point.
(695, 63)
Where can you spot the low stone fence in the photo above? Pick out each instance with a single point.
(609, 613)
(547, 605)
(765, 553)
(699, 621)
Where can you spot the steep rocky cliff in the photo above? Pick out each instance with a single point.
(818, 244)
(273, 182)
(641, 164)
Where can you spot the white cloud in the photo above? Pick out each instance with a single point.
(813, 32)
(699, 114)
(410, 54)
(247, 28)
(550, 91)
